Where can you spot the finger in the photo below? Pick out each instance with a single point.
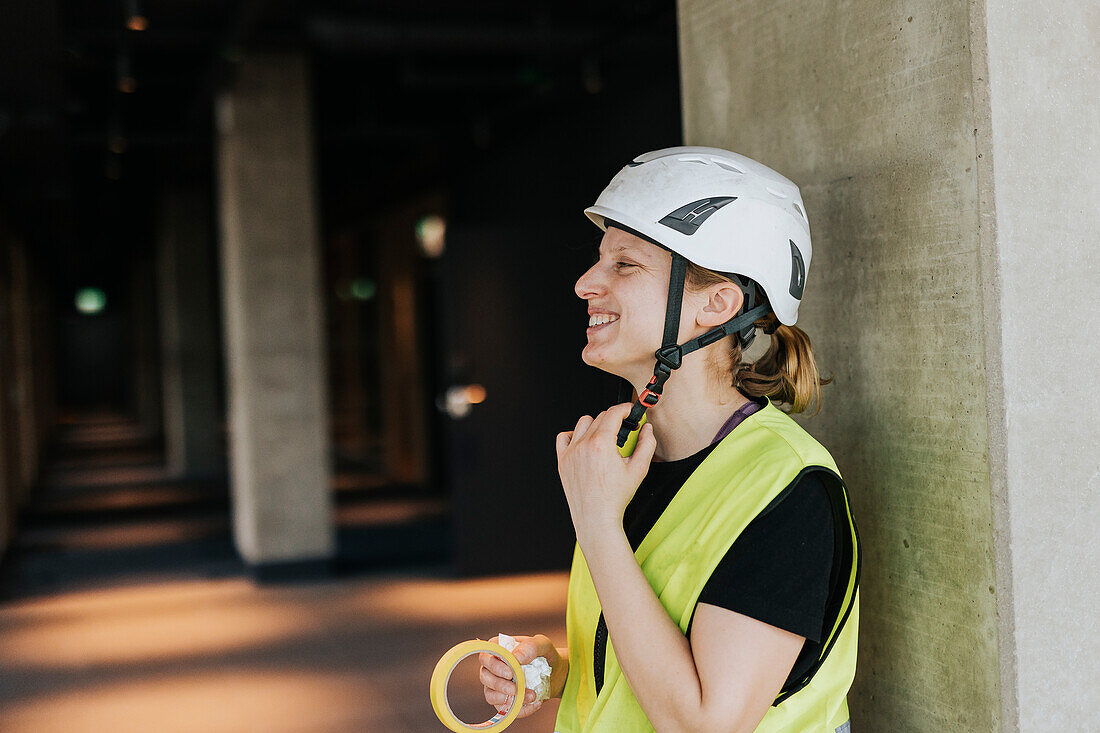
(497, 699)
(495, 664)
(503, 700)
(599, 420)
(611, 420)
(525, 710)
(562, 442)
(529, 709)
(523, 652)
(501, 669)
(493, 682)
(643, 451)
(582, 426)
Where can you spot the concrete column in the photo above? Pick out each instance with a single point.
(954, 299)
(188, 332)
(279, 437)
(1039, 184)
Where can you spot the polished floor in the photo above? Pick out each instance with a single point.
(124, 608)
(226, 655)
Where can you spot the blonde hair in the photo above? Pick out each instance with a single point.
(786, 373)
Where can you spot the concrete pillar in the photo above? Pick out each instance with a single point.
(188, 332)
(1039, 184)
(271, 301)
(952, 293)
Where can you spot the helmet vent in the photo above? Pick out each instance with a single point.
(692, 159)
(798, 272)
(775, 192)
(727, 166)
(687, 219)
(799, 209)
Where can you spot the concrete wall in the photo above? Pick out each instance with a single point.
(1040, 226)
(867, 106)
(951, 196)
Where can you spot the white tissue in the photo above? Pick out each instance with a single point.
(537, 673)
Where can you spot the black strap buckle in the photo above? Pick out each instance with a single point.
(669, 356)
(651, 395)
(648, 396)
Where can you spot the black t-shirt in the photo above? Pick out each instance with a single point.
(778, 570)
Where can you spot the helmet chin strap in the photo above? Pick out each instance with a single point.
(671, 354)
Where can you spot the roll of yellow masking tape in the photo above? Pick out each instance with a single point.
(441, 677)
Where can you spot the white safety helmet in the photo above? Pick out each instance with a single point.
(755, 221)
(724, 212)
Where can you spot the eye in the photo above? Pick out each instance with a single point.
(623, 265)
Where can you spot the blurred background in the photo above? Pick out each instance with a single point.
(287, 294)
(287, 328)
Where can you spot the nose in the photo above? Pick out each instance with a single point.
(590, 284)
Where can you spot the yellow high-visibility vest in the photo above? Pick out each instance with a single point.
(746, 474)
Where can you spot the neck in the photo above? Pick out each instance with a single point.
(691, 411)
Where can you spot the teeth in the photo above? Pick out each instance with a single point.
(601, 318)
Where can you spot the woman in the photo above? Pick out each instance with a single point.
(715, 580)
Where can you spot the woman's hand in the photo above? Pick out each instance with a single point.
(496, 675)
(598, 481)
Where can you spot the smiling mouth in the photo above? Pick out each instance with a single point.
(597, 319)
(600, 320)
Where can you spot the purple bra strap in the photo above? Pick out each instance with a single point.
(735, 419)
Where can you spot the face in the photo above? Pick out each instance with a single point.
(626, 291)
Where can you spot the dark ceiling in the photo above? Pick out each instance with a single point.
(401, 90)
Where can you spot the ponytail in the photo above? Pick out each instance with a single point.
(787, 372)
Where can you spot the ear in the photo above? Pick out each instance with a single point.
(723, 304)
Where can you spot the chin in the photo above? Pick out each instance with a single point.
(590, 360)
(594, 359)
(631, 372)
(603, 365)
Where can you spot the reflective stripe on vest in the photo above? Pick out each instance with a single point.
(742, 477)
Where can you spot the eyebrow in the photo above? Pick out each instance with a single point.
(620, 248)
